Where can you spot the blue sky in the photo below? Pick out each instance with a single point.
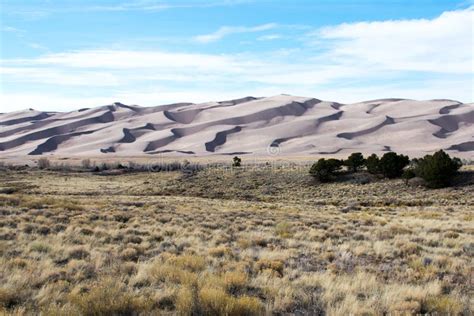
(62, 55)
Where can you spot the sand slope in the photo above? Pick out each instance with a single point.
(278, 125)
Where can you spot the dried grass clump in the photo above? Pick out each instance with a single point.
(159, 272)
(188, 262)
(109, 297)
(40, 247)
(284, 229)
(215, 301)
(275, 266)
(9, 298)
(78, 252)
(235, 281)
(220, 251)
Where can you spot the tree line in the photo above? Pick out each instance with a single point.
(437, 170)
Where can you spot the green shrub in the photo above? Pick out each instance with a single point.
(325, 169)
(373, 164)
(237, 162)
(438, 169)
(354, 162)
(391, 164)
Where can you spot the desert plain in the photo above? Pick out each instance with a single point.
(254, 240)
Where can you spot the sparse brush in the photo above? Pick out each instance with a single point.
(220, 251)
(235, 281)
(185, 301)
(40, 247)
(284, 229)
(109, 297)
(217, 302)
(270, 265)
(9, 298)
(223, 243)
(43, 163)
(86, 164)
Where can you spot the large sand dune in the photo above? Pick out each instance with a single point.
(279, 125)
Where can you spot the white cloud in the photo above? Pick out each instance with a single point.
(128, 59)
(444, 44)
(55, 76)
(420, 59)
(229, 30)
(158, 5)
(114, 67)
(60, 101)
(49, 101)
(47, 8)
(269, 37)
(12, 29)
(37, 46)
(450, 88)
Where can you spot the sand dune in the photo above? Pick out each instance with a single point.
(388, 120)
(278, 125)
(467, 146)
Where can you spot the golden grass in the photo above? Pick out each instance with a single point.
(247, 242)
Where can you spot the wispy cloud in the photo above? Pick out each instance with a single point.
(132, 59)
(59, 76)
(269, 37)
(422, 58)
(37, 46)
(136, 66)
(157, 5)
(229, 30)
(34, 12)
(12, 29)
(444, 44)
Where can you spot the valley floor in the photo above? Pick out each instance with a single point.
(231, 242)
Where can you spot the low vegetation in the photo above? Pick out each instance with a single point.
(237, 241)
(391, 165)
(236, 161)
(355, 162)
(437, 170)
(326, 169)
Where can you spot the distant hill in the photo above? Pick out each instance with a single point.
(278, 125)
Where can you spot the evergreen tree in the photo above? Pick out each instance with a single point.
(373, 164)
(392, 164)
(438, 169)
(237, 162)
(325, 169)
(355, 162)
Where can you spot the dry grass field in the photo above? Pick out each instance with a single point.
(231, 242)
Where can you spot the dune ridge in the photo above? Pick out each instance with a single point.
(282, 124)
